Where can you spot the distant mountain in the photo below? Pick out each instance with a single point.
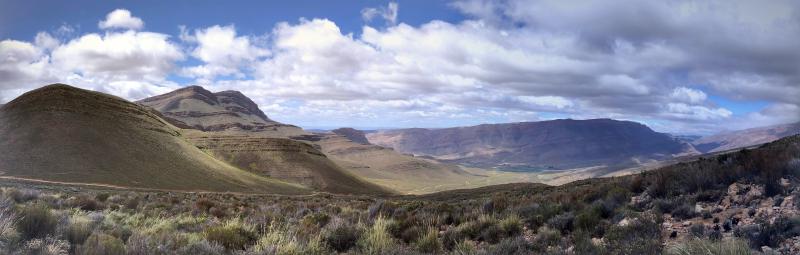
(232, 128)
(745, 138)
(197, 108)
(527, 146)
(354, 135)
(60, 133)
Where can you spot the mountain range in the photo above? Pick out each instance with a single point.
(745, 138)
(192, 139)
(556, 144)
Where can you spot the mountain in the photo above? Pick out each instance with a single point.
(197, 108)
(529, 146)
(404, 173)
(230, 127)
(354, 135)
(60, 133)
(745, 138)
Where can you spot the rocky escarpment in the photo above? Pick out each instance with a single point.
(536, 145)
(197, 108)
(354, 135)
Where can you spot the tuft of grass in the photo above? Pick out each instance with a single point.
(341, 236)
(429, 243)
(376, 239)
(233, 235)
(36, 221)
(511, 225)
(705, 246)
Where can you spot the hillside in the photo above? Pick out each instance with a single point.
(230, 127)
(745, 138)
(531, 146)
(284, 159)
(357, 136)
(197, 108)
(405, 173)
(65, 134)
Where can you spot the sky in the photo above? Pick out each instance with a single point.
(683, 67)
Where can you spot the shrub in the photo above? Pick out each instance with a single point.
(546, 237)
(705, 246)
(340, 236)
(491, 234)
(201, 248)
(315, 220)
(102, 197)
(562, 222)
(36, 221)
(47, 246)
(516, 245)
(697, 230)
(465, 247)
(78, 230)
(86, 203)
(511, 225)
(376, 240)
(452, 238)
(101, 244)
(641, 236)
(429, 243)
(22, 196)
(233, 235)
(8, 217)
(587, 220)
(683, 211)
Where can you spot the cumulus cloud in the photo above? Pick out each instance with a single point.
(222, 51)
(688, 95)
(513, 60)
(388, 13)
(121, 18)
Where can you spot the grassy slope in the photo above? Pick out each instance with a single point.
(61, 133)
(407, 174)
(283, 159)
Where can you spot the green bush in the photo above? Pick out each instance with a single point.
(562, 222)
(429, 243)
(376, 239)
(36, 221)
(511, 225)
(101, 244)
(341, 236)
(233, 235)
(78, 230)
(641, 236)
(587, 220)
(511, 246)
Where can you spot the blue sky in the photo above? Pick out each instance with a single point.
(680, 67)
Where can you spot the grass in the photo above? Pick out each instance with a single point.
(709, 247)
(585, 216)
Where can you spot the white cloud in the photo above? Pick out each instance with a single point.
(121, 18)
(695, 112)
(688, 95)
(129, 55)
(388, 13)
(222, 51)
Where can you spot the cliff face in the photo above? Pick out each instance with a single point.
(354, 135)
(546, 144)
(197, 108)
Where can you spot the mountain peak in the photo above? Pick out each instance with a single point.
(196, 107)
